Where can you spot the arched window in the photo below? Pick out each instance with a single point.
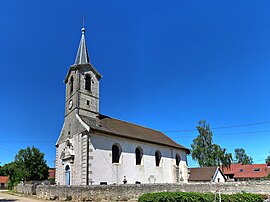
(71, 85)
(87, 82)
(157, 157)
(116, 153)
(177, 159)
(139, 154)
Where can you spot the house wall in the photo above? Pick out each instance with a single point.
(98, 164)
(3, 185)
(219, 176)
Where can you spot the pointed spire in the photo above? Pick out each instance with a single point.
(82, 54)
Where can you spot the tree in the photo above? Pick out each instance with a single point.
(201, 147)
(242, 157)
(3, 170)
(31, 165)
(267, 160)
(207, 153)
(10, 170)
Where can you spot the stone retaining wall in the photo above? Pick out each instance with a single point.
(132, 192)
(28, 189)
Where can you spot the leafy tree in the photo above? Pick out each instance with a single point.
(10, 170)
(225, 158)
(267, 160)
(201, 147)
(31, 164)
(3, 171)
(207, 153)
(242, 157)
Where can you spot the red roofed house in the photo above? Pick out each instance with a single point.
(3, 182)
(240, 172)
(51, 173)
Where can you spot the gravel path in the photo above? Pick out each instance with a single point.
(4, 197)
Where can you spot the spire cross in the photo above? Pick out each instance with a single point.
(83, 19)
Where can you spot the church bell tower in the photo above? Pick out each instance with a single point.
(82, 99)
(82, 85)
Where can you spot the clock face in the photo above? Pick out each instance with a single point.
(70, 104)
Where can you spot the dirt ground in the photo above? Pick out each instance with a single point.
(5, 197)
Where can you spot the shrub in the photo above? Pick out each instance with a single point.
(201, 197)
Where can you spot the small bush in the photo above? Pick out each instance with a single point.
(201, 197)
(52, 181)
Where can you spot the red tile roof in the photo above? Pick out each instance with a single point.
(248, 171)
(4, 179)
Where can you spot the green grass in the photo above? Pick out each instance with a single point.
(200, 197)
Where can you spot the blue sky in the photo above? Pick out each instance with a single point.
(165, 65)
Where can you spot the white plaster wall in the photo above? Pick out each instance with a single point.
(220, 176)
(103, 170)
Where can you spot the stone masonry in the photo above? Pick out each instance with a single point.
(132, 192)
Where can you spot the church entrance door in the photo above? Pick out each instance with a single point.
(67, 173)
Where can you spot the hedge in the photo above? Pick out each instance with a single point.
(202, 197)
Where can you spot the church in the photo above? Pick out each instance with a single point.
(93, 148)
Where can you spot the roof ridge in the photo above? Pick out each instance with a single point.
(205, 167)
(249, 164)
